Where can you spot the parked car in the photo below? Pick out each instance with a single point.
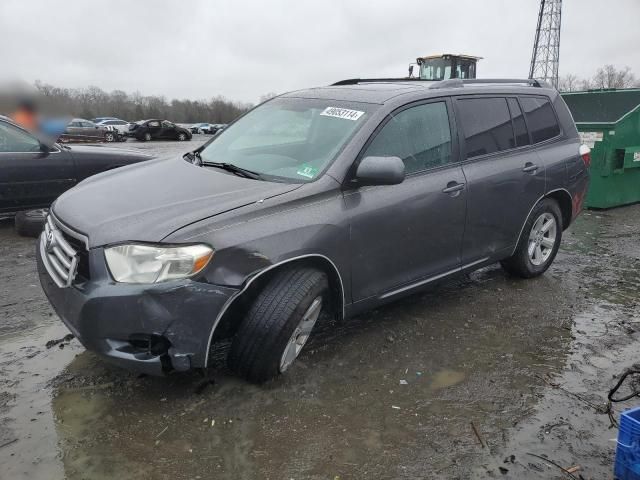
(35, 172)
(154, 129)
(102, 119)
(121, 126)
(81, 130)
(200, 128)
(326, 201)
(218, 127)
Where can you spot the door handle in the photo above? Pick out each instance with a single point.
(453, 187)
(530, 167)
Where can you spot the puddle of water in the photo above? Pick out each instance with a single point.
(446, 378)
(341, 411)
(26, 367)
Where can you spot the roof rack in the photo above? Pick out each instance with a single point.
(450, 83)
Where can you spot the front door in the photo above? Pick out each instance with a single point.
(405, 235)
(168, 130)
(30, 178)
(154, 129)
(505, 176)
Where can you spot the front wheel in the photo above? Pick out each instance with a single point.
(146, 137)
(110, 137)
(182, 136)
(278, 324)
(539, 241)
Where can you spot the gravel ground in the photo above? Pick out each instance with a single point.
(399, 392)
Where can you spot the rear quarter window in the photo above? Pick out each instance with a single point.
(541, 118)
(486, 123)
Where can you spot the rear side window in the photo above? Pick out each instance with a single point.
(541, 118)
(519, 127)
(486, 123)
(419, 135)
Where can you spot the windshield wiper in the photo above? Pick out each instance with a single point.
(230, 167)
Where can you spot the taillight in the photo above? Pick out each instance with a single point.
(585, 153)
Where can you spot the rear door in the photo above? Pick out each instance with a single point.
(30, 178)
(405, 235)
(505, 177)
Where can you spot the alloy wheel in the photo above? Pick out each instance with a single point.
(542, 238)
(301, 334)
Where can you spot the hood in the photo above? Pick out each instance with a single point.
(80, 152)
(148, 201)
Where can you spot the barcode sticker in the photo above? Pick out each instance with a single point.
(342, 113)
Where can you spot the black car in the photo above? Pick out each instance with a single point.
(35, 172)
(155, 129)
(329, 201)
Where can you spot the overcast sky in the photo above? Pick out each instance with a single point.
(243, 49)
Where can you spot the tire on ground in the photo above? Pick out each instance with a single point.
(270, 321)
(30, 223)
(519, 264)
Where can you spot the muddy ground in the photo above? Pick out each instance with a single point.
(528, 363)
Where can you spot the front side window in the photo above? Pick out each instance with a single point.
(486, 123)
(167, 124)
(288, 139)
(541, 118)
(13, 139)
(419, 135)
(153, 124)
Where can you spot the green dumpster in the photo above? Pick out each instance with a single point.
(609, 122)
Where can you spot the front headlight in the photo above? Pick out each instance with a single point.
(138, 263)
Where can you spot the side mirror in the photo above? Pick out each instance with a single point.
(380, 171)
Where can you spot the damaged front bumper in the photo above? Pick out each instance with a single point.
(151, 328)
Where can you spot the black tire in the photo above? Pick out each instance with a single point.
(30, 223)
(110, 137)
(272, 318)
(182, 137)
(520, 263)
(146, 137)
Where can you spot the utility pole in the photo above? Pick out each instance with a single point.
(546, 45)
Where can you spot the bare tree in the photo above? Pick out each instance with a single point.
(267, 96)
(92, 101)
(610, 77)
(569, 83)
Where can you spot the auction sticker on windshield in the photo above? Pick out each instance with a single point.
(307, 171)
(342, 113)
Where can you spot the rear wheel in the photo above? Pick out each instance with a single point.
(30, 223)
(278, 324)
(539, 241)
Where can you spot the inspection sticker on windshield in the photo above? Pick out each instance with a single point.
(342, 113)
(307, 171)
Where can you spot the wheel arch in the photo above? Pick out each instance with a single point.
(227, 320)
(565, 202)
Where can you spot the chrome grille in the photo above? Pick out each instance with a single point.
(59, 257)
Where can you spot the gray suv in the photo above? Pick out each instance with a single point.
(330, 200)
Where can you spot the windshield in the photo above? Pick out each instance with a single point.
(288, 139)
(435, 69)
